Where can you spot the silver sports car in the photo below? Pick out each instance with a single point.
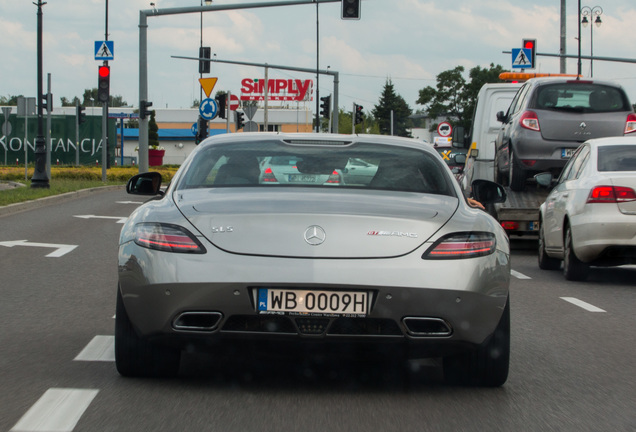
(396, 263)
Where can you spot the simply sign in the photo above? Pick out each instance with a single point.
(104, 50)
(444, 129)
(277, 89)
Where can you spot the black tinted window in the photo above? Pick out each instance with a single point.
(584, 97)
(617, 158)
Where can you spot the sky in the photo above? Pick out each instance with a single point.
(406, 41)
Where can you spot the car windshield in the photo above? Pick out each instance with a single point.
(617, 158)
(278, 164)
(578, 97)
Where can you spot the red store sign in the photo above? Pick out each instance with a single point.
(278, 89)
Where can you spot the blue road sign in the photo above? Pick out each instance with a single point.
(522, 58)
(104, 50)
(194, 128)
(208, 109)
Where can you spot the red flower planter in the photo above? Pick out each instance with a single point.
(155, 157)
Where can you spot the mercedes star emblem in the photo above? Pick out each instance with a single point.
(315, 235)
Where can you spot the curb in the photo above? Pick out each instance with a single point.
(42, 202)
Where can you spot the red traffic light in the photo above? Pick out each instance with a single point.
(528, 44)
(104, 71)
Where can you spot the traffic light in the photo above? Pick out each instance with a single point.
(47, 102)
(325, 106)
(359, 116)
(143, 109)
(531, 44)
(221, 100)
(202, 130)
(103, 85)
(239, 120)
(79, 112)
(351, 9)
(204, 65)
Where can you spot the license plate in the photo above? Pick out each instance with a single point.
(294, 301)
(533, 226)
(567, 152)
(302, 178)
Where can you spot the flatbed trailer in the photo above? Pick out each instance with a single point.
(519, 214)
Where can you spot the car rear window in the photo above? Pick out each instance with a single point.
(277, 164)
(617, 158)
(581, 97)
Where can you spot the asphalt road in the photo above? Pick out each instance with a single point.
(572, 366)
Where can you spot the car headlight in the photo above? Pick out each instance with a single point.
(167, 238)
(462, 245)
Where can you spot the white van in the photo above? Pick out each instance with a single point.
(492, 98)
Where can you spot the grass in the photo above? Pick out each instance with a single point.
(22, 194)
(68, 179)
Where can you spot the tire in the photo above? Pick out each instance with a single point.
(500, 177)
(488, 364)
(136, 357)
(573, 268)
(517, 174)
(546, 262)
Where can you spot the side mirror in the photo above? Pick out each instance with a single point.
(487, 192)
(544, 179)
(460, 159)
(458, 138)
(148, 183)
(501, 117)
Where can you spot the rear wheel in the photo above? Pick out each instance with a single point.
(517, 174)
(573, 268)
(546, 262)
(136, 357)
(488, 364)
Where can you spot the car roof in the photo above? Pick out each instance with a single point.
(317, 138)
(609, 141)
(556, 80)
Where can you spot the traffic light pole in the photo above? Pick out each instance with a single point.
(143, 51)
(40, 179)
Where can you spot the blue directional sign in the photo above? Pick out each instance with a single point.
(208, 109)
(194, 128)
(522, 58)
(104, 50)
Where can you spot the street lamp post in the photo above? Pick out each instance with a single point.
(594, 14)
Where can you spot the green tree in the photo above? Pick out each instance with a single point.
(454, 98)
(89, 98)
(153, 131)
(9, 100)
(392, 102)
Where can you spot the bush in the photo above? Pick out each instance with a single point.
(114, 174)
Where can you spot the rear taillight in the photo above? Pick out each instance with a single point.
(529, 120)
(334, 177)
(268, 176)
(630, 124)
(611, 194)
(462, 245)
(167, 238)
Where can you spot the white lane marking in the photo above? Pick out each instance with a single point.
(100, 348)
(120, 219)
(519, 275)
(582, 304)
(129, 202)
(61, 249)
(58, 410)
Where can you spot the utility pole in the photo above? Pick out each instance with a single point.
(40, 179)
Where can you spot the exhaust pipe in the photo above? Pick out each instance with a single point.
(427, 327)
(197, 321)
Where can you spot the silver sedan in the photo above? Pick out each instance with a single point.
(589, 218)
(397, 264)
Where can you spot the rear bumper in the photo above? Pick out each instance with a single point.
(458, 305)
(611, 241)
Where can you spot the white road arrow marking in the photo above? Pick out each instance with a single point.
(62, 249)
(120, 219)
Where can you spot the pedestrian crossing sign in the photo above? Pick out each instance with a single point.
(522, 58)
(104, 50)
